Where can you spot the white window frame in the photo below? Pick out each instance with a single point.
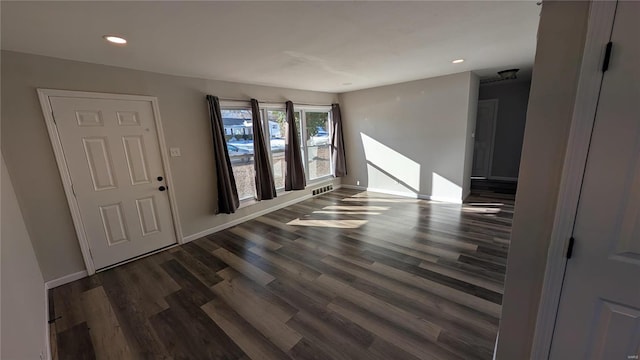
(240, 105)
(264, 108)
(303, 132)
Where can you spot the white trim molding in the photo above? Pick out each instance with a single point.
(601, 16)
(47, 111)
(65, 279)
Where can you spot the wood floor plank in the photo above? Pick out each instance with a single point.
(259, 240)
(132, 311)
(345, 275)
(198, 269)
(328, 338)
(386, 350)
(305, 350)
(260, 296)
(191, 286)
(391, 313)
(197, 331)
(414, 300)
(106, 334)
(243, 267)
(250, 340)
(457, 296)
(409, 341)
(267, 323)
(75, 343)
(53, 341)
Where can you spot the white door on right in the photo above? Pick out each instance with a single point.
(599, 313)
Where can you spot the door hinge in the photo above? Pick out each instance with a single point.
(53, 116)
(570, 247)
(90, 253)
(73, 190)
(607, 57)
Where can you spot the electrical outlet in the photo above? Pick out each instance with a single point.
(175, 152)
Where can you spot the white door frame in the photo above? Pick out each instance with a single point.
(600, 24)
(493, 133)
(47, 111)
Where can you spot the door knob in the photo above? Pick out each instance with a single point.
(162, 188)
(160, 178)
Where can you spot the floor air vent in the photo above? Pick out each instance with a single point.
(321, 190)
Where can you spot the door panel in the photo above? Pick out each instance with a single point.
(598, 316)
(113, 156)
(136, 159)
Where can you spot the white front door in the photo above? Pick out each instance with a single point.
(112, 153)
(484, 134)
(599, 312)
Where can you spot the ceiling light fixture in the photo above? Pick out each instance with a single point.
(115, 39)
(347, 83)
(458, 61)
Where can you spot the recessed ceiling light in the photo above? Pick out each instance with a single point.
(458, 61)
(115, 39)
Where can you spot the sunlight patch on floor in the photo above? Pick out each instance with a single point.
(356, 208)
(347, 212)
(342, 224)
(387, 200)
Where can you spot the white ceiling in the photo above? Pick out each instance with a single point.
(325, 46)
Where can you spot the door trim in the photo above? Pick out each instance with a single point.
(54, 136)
(493, 133)
(599, 28)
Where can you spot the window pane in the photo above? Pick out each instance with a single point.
(318, 144)
(277, 121)
(238, 129)
(277, 127)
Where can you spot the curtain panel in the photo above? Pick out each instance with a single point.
(294, 173)
(337, 143)
(228, 201)
(265, 184)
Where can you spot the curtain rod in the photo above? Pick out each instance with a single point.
(270, 102)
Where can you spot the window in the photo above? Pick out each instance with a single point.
(318, 142)
(238, 129)
(277, 126)
(314, 123)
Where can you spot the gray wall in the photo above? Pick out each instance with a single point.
(512, 114)
(561, 37)
(29, 155)
(412, 137)
(23, 300)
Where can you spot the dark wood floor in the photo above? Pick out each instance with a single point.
(347, 275)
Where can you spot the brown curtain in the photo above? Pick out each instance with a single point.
(294, 178)
(265, 185)
(228, 201)
(337, 143)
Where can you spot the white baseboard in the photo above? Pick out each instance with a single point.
(65, 279)
(240, 220)
(404, 194)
